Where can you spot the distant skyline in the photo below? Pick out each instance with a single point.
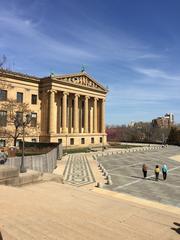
(133, 47)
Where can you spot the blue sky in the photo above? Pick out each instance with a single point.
(131, 46)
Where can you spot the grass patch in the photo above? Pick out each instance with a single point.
(75, 150)
(118, 145)
(19, 154)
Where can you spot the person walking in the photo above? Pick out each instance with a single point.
(164, 171)
(156, 171)
(144, 169)
(3, 156)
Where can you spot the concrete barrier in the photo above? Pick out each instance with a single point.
(99, 185)
(109, 181)
(43, 163)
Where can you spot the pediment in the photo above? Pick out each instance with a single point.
(82, 79)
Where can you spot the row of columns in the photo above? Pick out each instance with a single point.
(53, 118)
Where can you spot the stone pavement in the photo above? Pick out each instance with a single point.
(126, 174)
(53, 211)
(78, 171)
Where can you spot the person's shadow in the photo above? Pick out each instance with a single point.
(178, 227)
(1, 238)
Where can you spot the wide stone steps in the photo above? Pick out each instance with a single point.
(55, 211)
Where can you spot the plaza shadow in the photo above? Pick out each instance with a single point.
(176, 229)
(148, 178)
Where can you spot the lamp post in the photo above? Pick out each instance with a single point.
(163, 138)
(24, 124)
(102, 143)
(66, 143)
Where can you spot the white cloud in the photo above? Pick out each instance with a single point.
(156, 73)
(24, 34)
(134, 95)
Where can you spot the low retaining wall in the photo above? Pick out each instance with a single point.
(123, 151)
(42, 163)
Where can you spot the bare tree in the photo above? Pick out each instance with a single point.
(3, 84)
(140, 132)
(2, 61)
(15, 115)
(15, 112)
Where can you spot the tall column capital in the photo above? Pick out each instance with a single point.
(76, 95)
(52, 91)
(103, 100)
(86, 97)
(65, 93)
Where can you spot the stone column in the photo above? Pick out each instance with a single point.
(52, 112)
(86, 114)
(103, 116)
(43, 112)
(64, 113)
(95, 115)
(76, 113)
(70, 115)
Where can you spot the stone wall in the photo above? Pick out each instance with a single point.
(43, 163)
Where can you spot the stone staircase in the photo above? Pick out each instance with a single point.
(53, 211)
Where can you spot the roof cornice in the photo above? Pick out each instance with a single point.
(9, 73)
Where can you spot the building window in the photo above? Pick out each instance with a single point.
(92, 140)
(33, 140)
(3, 95)
(19, 97)
(82, 140)
(19, 117)
(2, 143)
(33, 119)
(72, 141)
(3, 118)
(60, 140)
(33, 99)
(100, 139)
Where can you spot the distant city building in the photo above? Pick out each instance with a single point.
(131, 124)
(166, 121)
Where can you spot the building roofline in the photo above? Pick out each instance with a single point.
(62, 76)
(8, 72)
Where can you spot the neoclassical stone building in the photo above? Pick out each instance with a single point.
(67, 108)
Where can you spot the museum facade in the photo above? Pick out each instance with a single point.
(69, 109)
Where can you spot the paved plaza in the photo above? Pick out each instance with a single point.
(126, 174)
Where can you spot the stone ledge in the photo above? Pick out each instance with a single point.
(11, 176)
(29, 177)
(8, 172)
